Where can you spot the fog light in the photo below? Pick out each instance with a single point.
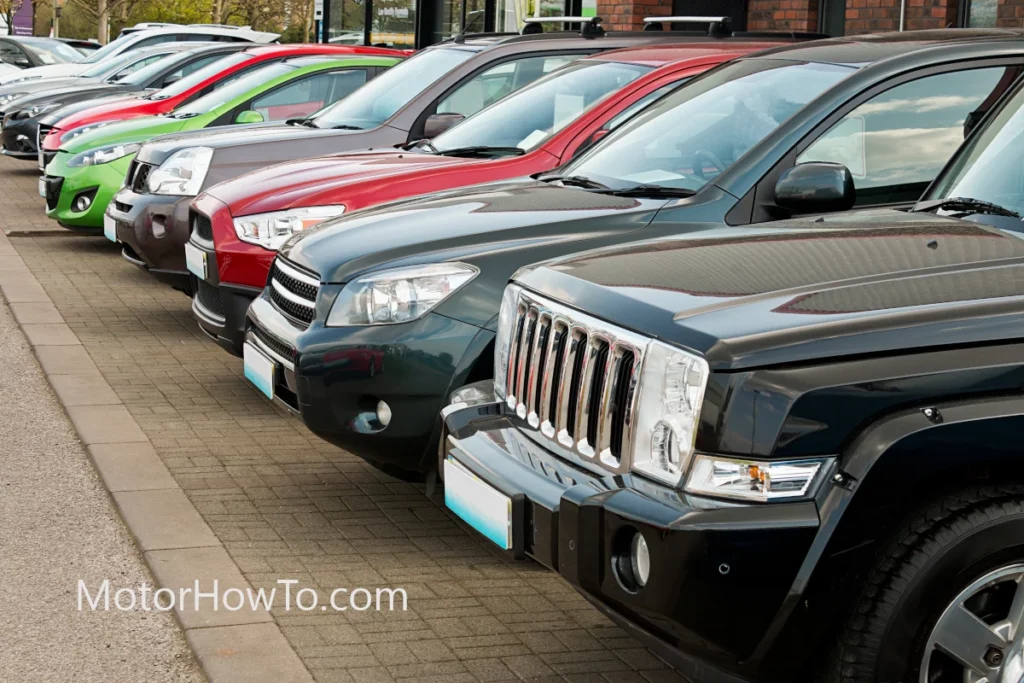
(383, 413)
(83, 203)
(640, 558)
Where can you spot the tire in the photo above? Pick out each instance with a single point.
(942, 551)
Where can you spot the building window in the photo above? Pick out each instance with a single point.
(348, 22)
(981, 13)
(394, 23)
(509, 14)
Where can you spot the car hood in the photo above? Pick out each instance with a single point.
(29, 87)
(72, 94)
(113, 106)
(465, 223)
(324, 180)
(795, 291)
(48, 71)
(133, 130)
(272, 142)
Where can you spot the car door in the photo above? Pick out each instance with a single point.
(302, 96)
(895, 137)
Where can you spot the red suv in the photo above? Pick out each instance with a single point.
(531, 131)
(62, 126)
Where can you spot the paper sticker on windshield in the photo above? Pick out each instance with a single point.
(652, 177)
(567, 108)
(532, 139)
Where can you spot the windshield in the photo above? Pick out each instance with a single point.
(109, 67)
(109, 49)
(988, 167)
(378, 100)
(153, 69)
(689, 137)
(527, 118)
(200, 75)
(52, 51)
(221, 96)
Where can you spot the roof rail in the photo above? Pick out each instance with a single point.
(717, 26)
(230, 26)
(589, 26)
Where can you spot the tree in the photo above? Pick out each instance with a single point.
(8, 8)
(101, 11)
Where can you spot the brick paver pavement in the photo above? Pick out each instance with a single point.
(287, 505)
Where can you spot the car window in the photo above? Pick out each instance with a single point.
(154, 40)
(532, 115)
(205, 73)
(9, 54)
(238, 88)
(492, 84)
(895, 143)
(111, 48)
(687, 138)
(51, 51)
(142, 71)
(109, 67)
(378, 101)
(302, 97)
(187, 70)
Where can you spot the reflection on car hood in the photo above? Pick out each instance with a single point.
(462, 223)
(74, 94)
(866, 282)
(274, 138)
(324, 180)
(106, 108)
(133, 130)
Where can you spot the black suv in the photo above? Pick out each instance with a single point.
(786, 452)
(417, 284)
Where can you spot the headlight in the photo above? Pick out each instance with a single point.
(4, 99)
(103, 155)
(668, 409)
(182, 173)
(753, 480)
(398, 295)
(82, 130)
(38, 110)
(506, 322)
(271, 230)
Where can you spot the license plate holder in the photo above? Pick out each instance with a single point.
(260, 370)
(496, 516)
(195, 261)
(110, 228)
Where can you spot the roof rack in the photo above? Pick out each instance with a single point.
(230, 26)
(717, 26)
(589, 26)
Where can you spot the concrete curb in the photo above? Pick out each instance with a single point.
(178, 546)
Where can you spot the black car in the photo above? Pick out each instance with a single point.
(788, 452)
(169, 63)
(757, 139)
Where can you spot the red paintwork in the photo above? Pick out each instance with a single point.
(359, 180)
(131, 107)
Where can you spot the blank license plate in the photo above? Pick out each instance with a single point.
(259, 369)
(109, 228)
(195, 261)
(481, 506)
(42, 187)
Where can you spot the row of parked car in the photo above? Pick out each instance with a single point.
(724, 328)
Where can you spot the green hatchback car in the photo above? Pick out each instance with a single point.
(88, 170)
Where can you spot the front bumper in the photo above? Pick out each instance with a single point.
(334, 377)
(719, 571)
(152, 229)
(20, 138)
(220, 307)
(101, 182)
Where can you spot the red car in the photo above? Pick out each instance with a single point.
(61, 126)
(531, 131)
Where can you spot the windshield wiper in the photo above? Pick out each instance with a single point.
(481, 149)
(573, 181)
(966, 205)
(308, 123)
(345, 126)
(644, 190)
(424, 143)
(184, 115)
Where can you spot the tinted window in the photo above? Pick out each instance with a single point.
(488, 87)
(378, 101)
(529, 117)
(154, 40)
(690, 136)
(238, 88)
(110, 48)
(111, 66)
(896, 142)
(304, 96)
(202, 75)
(144, 70)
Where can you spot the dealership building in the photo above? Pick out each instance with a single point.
(409, 23)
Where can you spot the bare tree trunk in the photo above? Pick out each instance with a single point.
(102, 18)
(218, 11)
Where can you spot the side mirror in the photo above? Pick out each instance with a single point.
(22, 62)
(816, 187)
(249, 116)
(173, 78)
(591, 140)
(439, 123)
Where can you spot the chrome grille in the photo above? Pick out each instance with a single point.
(573, 378)
(293, 292)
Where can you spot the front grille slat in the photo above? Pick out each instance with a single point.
(573, 378)
(293, 293)
(138, 180)
(53, 187)
(208, 297)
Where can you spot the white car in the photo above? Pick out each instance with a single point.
(143, 38)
